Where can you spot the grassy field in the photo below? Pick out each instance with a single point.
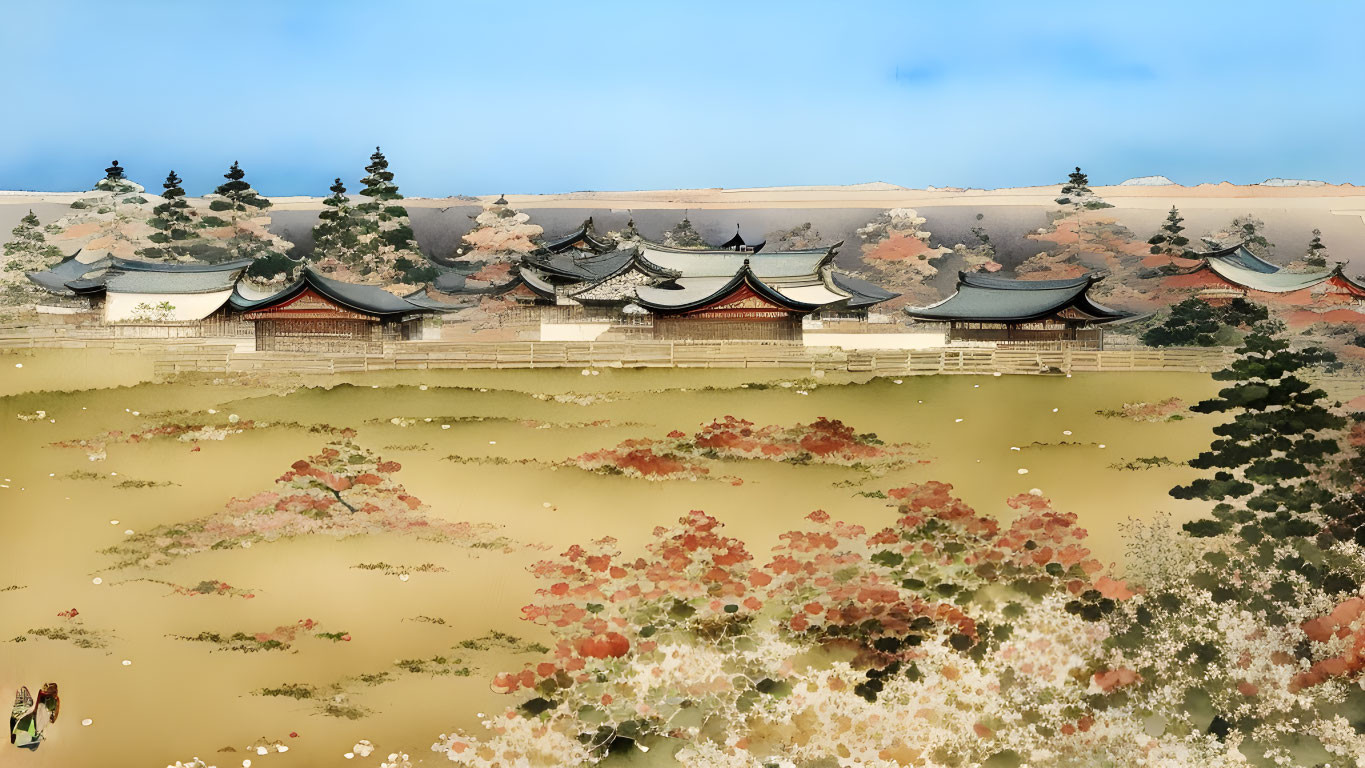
(402, 632)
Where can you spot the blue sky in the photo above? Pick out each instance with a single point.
(477, 98)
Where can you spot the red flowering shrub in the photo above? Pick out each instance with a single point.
(824, 441)
(600, 606)
(345, 490)
(641, 458)
(889, 591)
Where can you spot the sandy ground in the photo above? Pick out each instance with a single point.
(179, 698)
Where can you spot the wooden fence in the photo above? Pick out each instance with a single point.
(223, 359)
(173, 356)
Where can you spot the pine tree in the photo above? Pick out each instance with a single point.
(389, 233)
(1168, 239)
(336, 234)
(1265, 460)
(172, 218)
(1077, 183)
(238, 196)
(28, 249)
(1076, 192)
(1316, 255)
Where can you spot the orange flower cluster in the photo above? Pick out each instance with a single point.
(1344, 622)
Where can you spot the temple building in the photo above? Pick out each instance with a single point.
(997, 311)
(128, 292)
(732, 291)
(319, 314)
(1236, 272)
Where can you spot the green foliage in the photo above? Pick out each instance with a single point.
(237, 194)
(1077, 183)
(28, 247)
(1279, 438)
(1316, 255)
(336, 234)
(1168, 239)
(271, 265)
(172, 221)
(415, 272)
(1247, 230)
(1196, 323)
(378, 216)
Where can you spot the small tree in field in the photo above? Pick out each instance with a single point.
(28, 249)
(1077, 183)
(1168, 239)
(1316, 255)
(172, 218)
(1076, 193)
(237, 195)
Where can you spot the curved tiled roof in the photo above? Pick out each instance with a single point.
(997, 299)
(724, 263)
(366, 299)
(71, 269)
(1279, 281)
(861, 292)
(586, 234)
(695, 293)
(1240, 256)
(72, 276)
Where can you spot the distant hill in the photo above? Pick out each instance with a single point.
(1147, 181)
(1278, 182)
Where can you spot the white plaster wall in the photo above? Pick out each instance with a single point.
(876, 340)
(118, 307)
(572, 331)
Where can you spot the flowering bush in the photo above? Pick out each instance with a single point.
(642, 458)
(942, 637)
(825, 441)
(678, 456)
(95, 447)
(345, 490)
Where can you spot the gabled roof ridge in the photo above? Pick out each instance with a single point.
(744, 275)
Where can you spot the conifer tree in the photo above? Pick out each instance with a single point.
(385, 222)
(335, 235)
(1316, 255)
(172, 218)
(1265, 460)
(28, 249)
(1077, 183)
(237, 194)
(1168, 239)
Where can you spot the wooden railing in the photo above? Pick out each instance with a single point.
(220, 356)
